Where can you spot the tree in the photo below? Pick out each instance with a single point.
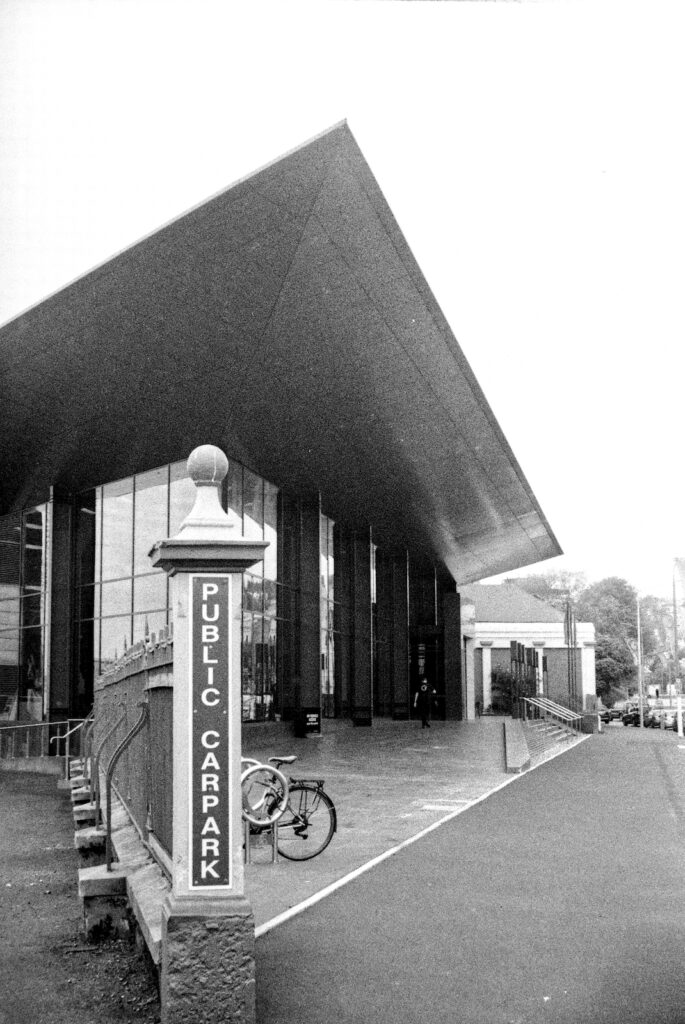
(614, 665)
(611, 604)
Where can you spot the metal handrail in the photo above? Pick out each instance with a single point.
(95, 767)
(110, 773)
(66, 736)
(27, 727)
(554, 710)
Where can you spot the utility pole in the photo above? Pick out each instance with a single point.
(639, 663)
(676, 679)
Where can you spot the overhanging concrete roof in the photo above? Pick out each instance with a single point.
(287, 321)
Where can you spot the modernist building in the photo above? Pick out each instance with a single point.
(286, 321)
(563, 653)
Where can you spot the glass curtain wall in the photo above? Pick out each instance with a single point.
(122, 599)
(327, 616)
(24, 616)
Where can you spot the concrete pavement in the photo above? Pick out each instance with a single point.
(389, 785)
(560, 899)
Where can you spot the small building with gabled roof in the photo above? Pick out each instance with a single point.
(495, 616)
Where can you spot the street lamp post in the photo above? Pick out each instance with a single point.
(639, 664)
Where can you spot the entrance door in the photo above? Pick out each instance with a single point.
(426, 659)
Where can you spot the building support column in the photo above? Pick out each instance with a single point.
(401, 695)
(61, 702)
(308, 686)
(486, 647)
(362, 695)
(208, 968)
(451, 611)
(539, 648)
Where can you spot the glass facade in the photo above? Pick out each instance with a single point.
(24, 604)
(327, 615)
(122, 599)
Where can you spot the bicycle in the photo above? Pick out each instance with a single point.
(300, 809)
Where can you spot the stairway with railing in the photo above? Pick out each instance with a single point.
(548, 726)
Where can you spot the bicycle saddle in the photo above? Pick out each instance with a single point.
(283, 760)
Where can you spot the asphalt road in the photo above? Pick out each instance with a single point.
(558, 899)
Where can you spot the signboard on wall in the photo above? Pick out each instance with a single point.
(210, 721)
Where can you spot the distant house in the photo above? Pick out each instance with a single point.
(493, 616)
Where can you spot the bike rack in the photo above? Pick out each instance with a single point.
(135, 729)
(272, 829)
(270, 826)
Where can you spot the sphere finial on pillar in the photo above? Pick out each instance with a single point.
(207, 465)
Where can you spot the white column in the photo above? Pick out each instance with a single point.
(538, 647)
(486, 647)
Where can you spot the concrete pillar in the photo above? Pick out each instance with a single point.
(486, 646)
(60, 701)
(539, 648)
(451, 610)
(207, 924)
(588, 680)
(468, 692)
(400, 639)
(362, 700)
(309, 619)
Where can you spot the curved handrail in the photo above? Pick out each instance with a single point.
(135, 729)
(95, 772)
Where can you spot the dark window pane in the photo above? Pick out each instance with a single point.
(85, 539)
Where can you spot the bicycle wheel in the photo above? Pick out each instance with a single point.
(307, 826)
(264, 794)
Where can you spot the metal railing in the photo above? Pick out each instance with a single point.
(37, 739)
(66, 738)
(542, 706)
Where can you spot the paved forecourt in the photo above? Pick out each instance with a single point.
(388, 783)
(560, 898)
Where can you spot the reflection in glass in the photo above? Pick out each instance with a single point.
(234, 489)
(117, 529)
(253, 505)
(115, 639)
(181, 496)
(151, 515)
(150, 592)
(270, 531)
(327, 610)
(116, 598)
(144, 626)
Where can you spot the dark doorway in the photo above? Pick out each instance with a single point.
(426, 659)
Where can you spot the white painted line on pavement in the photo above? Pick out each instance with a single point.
(268, 926)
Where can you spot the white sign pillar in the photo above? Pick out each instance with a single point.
(207, 924)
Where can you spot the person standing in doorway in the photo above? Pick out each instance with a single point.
(422, 702)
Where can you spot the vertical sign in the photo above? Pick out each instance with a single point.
(210, 715)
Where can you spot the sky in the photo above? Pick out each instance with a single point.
(533, 156)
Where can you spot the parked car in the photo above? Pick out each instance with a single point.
(668, 717)
(631, 717)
